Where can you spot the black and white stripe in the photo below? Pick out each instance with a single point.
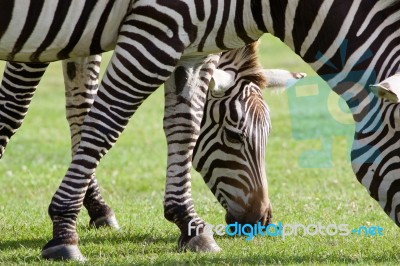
(81, 83)
(230, 150)
(364, 49)
(350, 44)
(43, 31)
(81, 80)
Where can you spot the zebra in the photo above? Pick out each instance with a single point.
(81, 80)
(81, 76)
(88, 71)
(178, 38)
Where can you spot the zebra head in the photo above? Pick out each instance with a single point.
(230, 150)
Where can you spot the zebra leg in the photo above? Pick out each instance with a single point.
(131, 76)
(17, 89)
(185, 95)
(81, 78)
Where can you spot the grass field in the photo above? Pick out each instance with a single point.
(309, 174)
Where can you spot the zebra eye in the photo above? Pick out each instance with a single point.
(234, 136)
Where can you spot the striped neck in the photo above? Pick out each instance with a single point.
(350, 44)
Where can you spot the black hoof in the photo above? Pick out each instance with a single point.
(63, 252)
(200, 243)
(110, 221)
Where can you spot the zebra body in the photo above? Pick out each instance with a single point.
(22, 38)
(45, 31)
(350, 58)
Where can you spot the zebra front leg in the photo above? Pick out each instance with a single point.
(130, 78)
(185, 95)
(17, 89)
(81, 78)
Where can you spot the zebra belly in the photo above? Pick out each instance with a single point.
(32, 32)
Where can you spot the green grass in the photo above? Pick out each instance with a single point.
(305, 187)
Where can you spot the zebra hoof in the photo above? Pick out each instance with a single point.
(63, 252)
(201, 243)
(110, 221)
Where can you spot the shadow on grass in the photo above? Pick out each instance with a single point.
(166, 255)
(98, 237)
(128, 236)
(28, 248)
(268, 259)
(111, 236)
(22, 243)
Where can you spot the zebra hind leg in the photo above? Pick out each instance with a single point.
(185, 95)
(81, 78)
(17, 89)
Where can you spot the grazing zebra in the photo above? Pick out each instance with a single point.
(232, 139)
(81, 77)
(81, 82)
(351, 44)
(230, 149)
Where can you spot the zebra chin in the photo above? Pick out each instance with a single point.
(250, 217)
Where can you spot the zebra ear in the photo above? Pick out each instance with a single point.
(388, 89)
(281, 79)
(220, 81)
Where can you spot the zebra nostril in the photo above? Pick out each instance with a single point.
(244, 219)
(231, 219)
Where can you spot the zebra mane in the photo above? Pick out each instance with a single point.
(244, 63)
